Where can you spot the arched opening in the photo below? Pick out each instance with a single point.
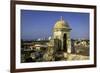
(65, 42)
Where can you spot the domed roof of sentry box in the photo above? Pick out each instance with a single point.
(61, 24)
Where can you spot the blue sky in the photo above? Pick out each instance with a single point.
(39, 24)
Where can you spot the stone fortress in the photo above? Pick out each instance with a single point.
(61, 36)
(60, 40)
(59, 47)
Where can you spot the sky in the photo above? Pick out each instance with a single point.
(39, 24)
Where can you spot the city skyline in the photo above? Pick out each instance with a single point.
(39, 24)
